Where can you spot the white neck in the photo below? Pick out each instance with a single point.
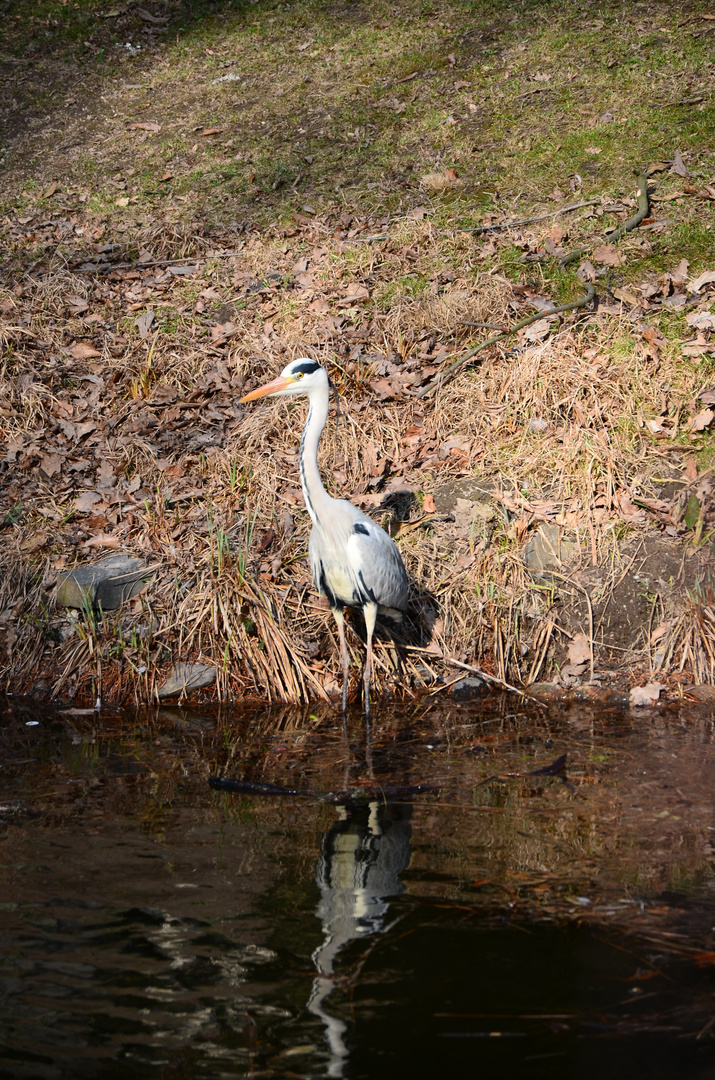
(316, 497)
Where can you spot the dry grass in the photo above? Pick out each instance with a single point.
(204, 487)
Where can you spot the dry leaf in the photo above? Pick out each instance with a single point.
(579, 650)
(124, 201)
(223, 330)
(679, 167)
(77, 303)
(680, 275)
(34, 542)
(146, 125)
(696, 284)
(50, 191)
(593, 150)
(103, 540)
(702, 420)
(50, 465)
(85, 502)
(428, 505)
(211, 131)
(690, 472)
(144, 323)
(608, 255)
(646, 695)
(586, 271)
(701, 320)
(82, 351)
(537, 330)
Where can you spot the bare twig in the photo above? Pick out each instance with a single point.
(457, 365)
(493, 679)
(525, 221)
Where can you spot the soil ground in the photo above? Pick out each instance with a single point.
(192, 195)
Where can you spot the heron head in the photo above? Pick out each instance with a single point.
(299, 377)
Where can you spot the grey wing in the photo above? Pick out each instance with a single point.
(376, 562)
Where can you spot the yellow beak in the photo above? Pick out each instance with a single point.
(270, 388)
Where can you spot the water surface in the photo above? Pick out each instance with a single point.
(506, 922)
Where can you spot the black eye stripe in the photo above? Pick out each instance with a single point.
(306, 369)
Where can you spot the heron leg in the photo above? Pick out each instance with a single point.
(344, 656)
(370, 614)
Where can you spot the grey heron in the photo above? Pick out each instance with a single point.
(353, 561)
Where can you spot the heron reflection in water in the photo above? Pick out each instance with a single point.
(363, 855)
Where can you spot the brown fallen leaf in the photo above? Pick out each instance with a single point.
(50, 465)
(211, 131)
(383, 388)
(579, 651)
(654, 338)
(50, 191)
(586, 271)
(680, 275)
(155, 20)
(696, 284)
(34, 542)
(144, 323)
(626, 297)
(86, 501)
(645, 695)
(148, 125)
(223, 330)
(608, 255)
(103, 540)
(690, 472)
(428, 504)
(83, 351)
(538, 330)
(174, 472)
(701, 320)
(77, 304)
(679, 167)
(702, 420)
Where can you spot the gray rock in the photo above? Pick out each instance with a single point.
(186, 677)
(445, 497)
(471, 687)
(546, 691)
(547, 550)
(106, 584)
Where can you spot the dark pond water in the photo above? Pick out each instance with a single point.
(507, 922)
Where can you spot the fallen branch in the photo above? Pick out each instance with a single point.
(492, 679)
(615, 234)
(525, 221)
(451, 371)
(105, 268)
